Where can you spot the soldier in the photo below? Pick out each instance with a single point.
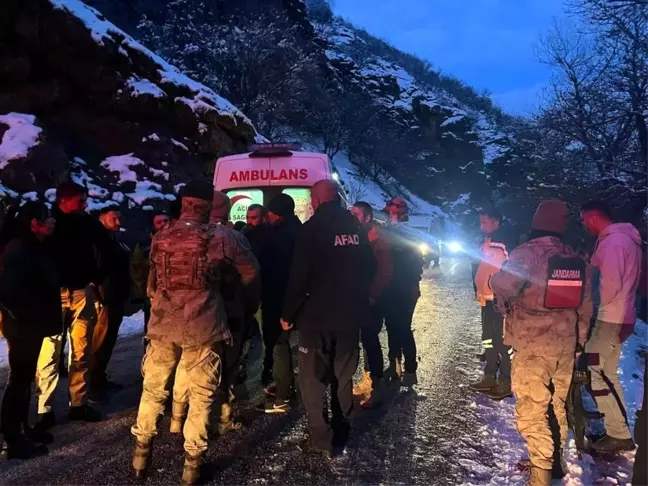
(188, 328)
(545, 287)
(240, 291)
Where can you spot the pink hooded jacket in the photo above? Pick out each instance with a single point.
(617, 257)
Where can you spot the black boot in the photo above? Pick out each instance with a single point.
(84, 413)
(612, 445)
(191, 471)
(44, 422)
(21, 448)
(37, 436)
(500, 391)
(487, 383)
(142, 459)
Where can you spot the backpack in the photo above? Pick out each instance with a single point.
(180, 256)
(565, 282)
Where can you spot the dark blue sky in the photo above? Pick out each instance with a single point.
(487, 43)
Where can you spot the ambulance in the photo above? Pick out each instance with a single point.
(269, 169)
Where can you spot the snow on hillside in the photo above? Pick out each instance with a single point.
(21, 136)
(102, 31)
(378, 72)
(366, 190)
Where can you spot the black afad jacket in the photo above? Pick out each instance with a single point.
(332, 270)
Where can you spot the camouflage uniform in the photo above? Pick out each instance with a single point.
(240, 291)
(544, 341)
(188, 325)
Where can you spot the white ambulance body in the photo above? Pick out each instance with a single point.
(267, 170)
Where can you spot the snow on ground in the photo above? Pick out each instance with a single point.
(103, 31)
(21, 136)
(497, 428)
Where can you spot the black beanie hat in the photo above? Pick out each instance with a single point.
(282, 205)
(198, 189)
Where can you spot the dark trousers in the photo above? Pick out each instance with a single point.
(231, 357)
(497, 353)
(640, 469)
(399, 310)
(146, 308)
(278, 355)
(327, 358)
(104, 339)
(373, 355)
(23, 356)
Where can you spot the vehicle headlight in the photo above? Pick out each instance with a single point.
(424, 248)
(455, 246)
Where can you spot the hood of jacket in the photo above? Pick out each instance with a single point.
(621, 229)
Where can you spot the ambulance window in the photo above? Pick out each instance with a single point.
(302, 198)
(241, 199)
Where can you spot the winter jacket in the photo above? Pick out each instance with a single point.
(116, 286)
(331, 273)
(494, 252)
(30, 294)
(139, 269)
(521, 287)
(185, 279)
(275, 260)
(384, 265)
(617, 257)
(407, 261)
(240, 283)
(258, 237)
(82, 250)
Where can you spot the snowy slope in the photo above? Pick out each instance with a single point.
(363, 189)
(397, 89)
(499, 434)
(203, 99)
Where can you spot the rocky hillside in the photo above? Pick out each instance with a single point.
(452, 134)
(389, 122)
(123, 121)
(80, 98)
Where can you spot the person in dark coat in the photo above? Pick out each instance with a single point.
(30, 302)
(275, 261)
(82, 252)
(115, 292)
(328, 299)
(258, 230)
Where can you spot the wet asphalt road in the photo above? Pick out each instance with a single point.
(425, 436)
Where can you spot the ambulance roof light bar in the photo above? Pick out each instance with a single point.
(273, 149)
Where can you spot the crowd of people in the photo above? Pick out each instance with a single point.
(207, 287)
(543, 307)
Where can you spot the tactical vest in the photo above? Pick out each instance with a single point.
(565, 282)
(181, 257)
